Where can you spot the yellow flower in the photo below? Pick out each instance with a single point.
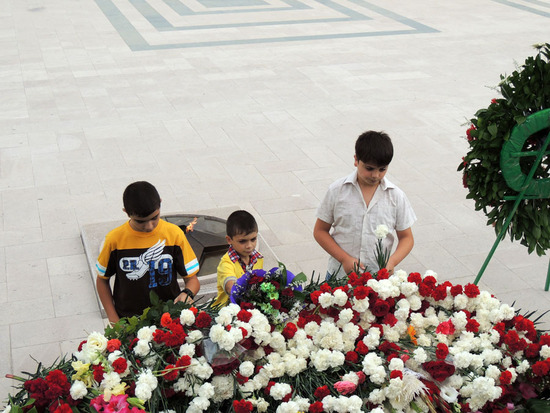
(82, 372)
(116, 390)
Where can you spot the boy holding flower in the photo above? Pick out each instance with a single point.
(242, 237)
(354, 206)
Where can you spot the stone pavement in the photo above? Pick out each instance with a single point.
(248, 103)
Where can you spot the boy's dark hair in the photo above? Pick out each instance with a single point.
(240, 222)
(140, 199)
(374, 147)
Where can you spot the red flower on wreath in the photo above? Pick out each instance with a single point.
(321, 392)
(441, 351)
(380, 308)
(316, 407)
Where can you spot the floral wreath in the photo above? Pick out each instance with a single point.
(525, 92)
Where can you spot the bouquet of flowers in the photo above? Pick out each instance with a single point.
(364, 343)
(277, 293)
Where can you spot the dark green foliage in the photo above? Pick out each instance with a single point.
(524, 92)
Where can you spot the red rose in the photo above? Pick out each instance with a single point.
(242, 406)
(165, 320)
(120, 365)
(439, 370)
(113, 344)
(321, 392)
(203, 320)
(255, 279)
(288, 292)
(471, 290)
(276, 304)
(316, 407)
(289, 331)
(380, 308)
(244, 316)
(441, 351)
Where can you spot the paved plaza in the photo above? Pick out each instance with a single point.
(226, 104)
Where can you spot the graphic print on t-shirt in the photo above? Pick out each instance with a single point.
(152, 260)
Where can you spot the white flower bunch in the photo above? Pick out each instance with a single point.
(145, 384)
(381, 231)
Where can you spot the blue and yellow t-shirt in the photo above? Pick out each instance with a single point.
(145, 261)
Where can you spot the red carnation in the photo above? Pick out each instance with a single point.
(183, 361)
(441, 351)
(471, 290)
(98, 372)
(414, 277)
(445, 327)
(314, 296)
(325, 288)
(244, 316)
(505, 377)
(289, 331)
(242, 406)
(361, 348)
(456, 290)
(276, 304)
(321, 392)
(380, 308)
(532, 350)
(352, 357)
(203, 320)
(361, 292)
(383, 274)
(170, 373)
(120, 365)
(316, 407)
(396, 374)
(439, 370)
(425, 290)
(288, 292)
(472, 326)
(540, 368)
(241, 379)
(439, 293)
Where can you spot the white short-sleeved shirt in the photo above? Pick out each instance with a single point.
(353, 224)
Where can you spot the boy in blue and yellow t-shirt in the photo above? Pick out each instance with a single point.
(242, 237)
(144, 254)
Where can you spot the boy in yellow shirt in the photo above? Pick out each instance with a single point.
(242, 237)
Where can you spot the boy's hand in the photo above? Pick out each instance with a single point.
(350, 264)
(183, 297)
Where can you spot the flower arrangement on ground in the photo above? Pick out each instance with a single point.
(366, 343)
(524, 92)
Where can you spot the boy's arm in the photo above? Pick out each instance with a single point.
(106, 297)
(324, 239)
(405, 242)
(193, 284)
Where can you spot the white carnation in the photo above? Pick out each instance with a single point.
(187, 317)
(78, 390)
